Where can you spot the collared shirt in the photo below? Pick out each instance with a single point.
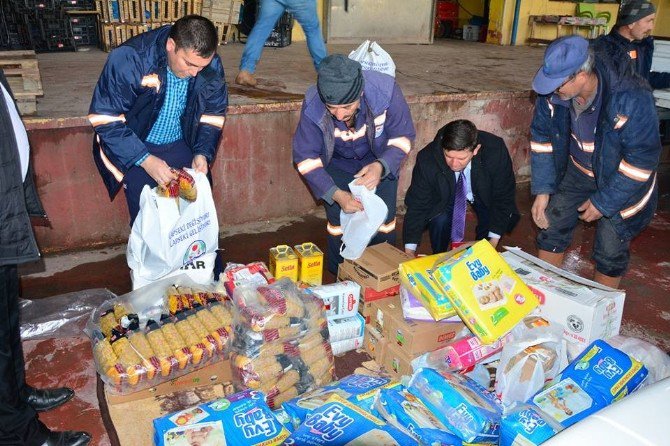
(167, 127)
(583, 125)
(468, 182)
(19, 132)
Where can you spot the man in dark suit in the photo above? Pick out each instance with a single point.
(19, 402)
(462, 165)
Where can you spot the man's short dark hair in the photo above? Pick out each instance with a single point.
(197, 33)
(459, 135)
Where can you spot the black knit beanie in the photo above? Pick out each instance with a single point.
(340, 80)
(633, 11)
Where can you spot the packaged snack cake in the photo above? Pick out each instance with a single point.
(485, 291)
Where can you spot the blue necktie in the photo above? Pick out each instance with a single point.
(460, 204)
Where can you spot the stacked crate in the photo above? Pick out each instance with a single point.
(225, 14)
(123, 19)
(23, 75)
(40, 25)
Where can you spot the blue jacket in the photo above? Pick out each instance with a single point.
(128, 98)
(638, 53)
(389, 131)
(626, 153)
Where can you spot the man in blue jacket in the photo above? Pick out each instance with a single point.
(160, 103)
(630, 41)
(595, 148)
(353, 125)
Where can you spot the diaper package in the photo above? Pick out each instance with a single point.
(599, 376)
(527, 426)
(358, 389)
(342, 423)
(240, 419)
(463, 406)
(406, 412)
(485, 291)
(416, 277)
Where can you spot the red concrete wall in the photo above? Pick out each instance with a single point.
(254, 178)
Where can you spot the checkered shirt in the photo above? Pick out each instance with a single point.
(167, 127)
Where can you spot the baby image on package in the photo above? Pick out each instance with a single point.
(485, 291)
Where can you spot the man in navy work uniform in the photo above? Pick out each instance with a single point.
(19, 402)
(630, 41)
(160, 103)
(353, 124)
(595, 148)
(462, 165)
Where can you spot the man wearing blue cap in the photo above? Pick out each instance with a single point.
(630, 41)
(354, 124)
(595, 147)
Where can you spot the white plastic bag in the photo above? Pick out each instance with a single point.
(169, 233)
(534, 356)
(359, 228)
(653, 358)
(372, 57)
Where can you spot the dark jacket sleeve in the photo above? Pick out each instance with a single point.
(419, 199)
(659, 80)
(544, 177)
(213, 117)
(498, 165)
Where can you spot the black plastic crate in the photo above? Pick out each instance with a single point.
(279, 37)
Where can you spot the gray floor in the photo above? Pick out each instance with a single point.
(447, 66)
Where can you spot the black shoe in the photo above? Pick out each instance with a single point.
(46, 399)
(67, 438)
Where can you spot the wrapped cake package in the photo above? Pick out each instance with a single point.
(280, 341)
(158, 333)
(599, 376)
(485, 291)
(340, 422)
(242, 419)
(406, 412)
(358, 389)
(463, 406)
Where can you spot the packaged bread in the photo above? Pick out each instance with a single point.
(129, 359)
(141, 345)
(180, 350)
(161, 348)
(188, 334)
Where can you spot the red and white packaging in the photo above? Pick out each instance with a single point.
(340, 298)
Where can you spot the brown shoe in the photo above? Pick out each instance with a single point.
(246, 78)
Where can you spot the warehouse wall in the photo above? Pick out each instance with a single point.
(254, 178)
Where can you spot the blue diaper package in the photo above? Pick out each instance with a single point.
(340, 422)
(463, 406)
(406, 412)
(359, 389)
(243, 419)
(600, 375)
(527, 425)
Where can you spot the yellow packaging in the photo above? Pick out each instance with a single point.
(283, 262)
(485, 291)
(416, 277)
(310, 263)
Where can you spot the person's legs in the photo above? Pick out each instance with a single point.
(305, 13)
(18, 421)
(176, 154)
(387, 190)
(575, 189)
(333, 257)
(439, 230)
(269, 13)
(611, 254)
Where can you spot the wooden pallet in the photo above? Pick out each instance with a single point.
(226, 32)
(146, 11)
(23, 75)
(222, 11)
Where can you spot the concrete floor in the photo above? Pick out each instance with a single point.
(448, 66)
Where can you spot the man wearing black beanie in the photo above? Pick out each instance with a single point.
(354, 124)
(630, 41)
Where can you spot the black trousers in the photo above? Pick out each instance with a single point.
(439, 227)
(19, 425)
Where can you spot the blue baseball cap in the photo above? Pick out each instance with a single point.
(562, 59)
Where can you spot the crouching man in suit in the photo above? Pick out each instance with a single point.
(462, 165)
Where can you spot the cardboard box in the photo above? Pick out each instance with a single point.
(396, 361)
(217, 373)
(377, 268)
(368, 295)
(412, 337)
(586, 310)
(374, 343)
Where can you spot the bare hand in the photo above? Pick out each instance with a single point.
(589, 212)
(158, 170)
(370, 175)
(347, 202)
(538, 211)
(200, 164)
